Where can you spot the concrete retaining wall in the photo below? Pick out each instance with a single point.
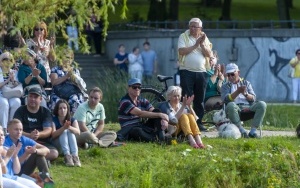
(262, 55)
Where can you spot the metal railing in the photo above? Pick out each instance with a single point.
(233, 24)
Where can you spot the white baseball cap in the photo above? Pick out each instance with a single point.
(231, 67)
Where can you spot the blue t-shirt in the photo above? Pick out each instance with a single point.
(120, 57)
(149, 57)
(25, 142)
(57, 124)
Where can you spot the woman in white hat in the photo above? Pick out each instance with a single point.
(8, 106)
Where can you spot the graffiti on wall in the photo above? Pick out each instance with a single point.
(265, 62)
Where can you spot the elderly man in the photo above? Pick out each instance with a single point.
(194, 48)
(37, 121)
(238, 95)
(132, 107)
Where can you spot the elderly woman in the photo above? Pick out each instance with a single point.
(8, 106)
(66, 81)
(42, 46)
(32, 74)
(183, 115)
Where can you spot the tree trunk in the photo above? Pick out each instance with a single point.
(284, 13)
(226, 10)
(157, 10)
(173, 10)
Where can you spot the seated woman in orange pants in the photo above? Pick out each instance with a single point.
(183, 115)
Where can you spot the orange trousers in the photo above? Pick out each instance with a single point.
(188, 125)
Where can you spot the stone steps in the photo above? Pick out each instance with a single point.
(91, 67)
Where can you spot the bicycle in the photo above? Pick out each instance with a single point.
(153, 94)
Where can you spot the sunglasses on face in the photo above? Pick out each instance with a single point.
(38, 29)
(231, 74)
(136, 87)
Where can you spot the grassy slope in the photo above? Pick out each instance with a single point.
(230, 163)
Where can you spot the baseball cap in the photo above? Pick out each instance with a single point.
(197, 20)
(133, 81)
(231, 67)
(35, 90)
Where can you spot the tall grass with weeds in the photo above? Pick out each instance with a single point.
(267, 162)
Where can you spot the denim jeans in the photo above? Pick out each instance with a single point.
(194, 83)
(67, 143)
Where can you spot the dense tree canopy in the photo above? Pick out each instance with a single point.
(56, 13)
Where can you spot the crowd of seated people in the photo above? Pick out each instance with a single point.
(28, 63)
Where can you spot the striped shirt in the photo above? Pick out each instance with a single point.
(126, 105)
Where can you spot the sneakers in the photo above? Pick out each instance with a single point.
(48, 181)
(201, 127)
(76, 161)
(245, 135)
(69, 160)
(254, 135)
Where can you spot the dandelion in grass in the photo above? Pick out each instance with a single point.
(174, 142)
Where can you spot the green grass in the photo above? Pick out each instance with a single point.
(267, 162)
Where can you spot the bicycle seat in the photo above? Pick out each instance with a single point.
(162, 78)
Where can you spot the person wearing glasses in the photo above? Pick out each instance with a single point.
(90, 116)
(43, 47)
(193, 49)
(8, 106)
(238, 94)
(132, 108)
(295, 63)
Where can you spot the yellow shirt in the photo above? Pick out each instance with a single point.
(296, 61)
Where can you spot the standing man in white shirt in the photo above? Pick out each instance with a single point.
(193, 49)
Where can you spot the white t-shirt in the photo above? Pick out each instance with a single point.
(194, 61)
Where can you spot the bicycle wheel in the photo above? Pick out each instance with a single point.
(152, 95)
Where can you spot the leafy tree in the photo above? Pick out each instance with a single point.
(24, 14)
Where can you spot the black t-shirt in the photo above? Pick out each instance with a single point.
(31, 121)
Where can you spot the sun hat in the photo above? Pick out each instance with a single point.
(133, 81)
(6, 55)
(231, 67)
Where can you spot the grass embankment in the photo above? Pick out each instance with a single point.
(266, 162)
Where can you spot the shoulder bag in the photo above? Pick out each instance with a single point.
(12, 91)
